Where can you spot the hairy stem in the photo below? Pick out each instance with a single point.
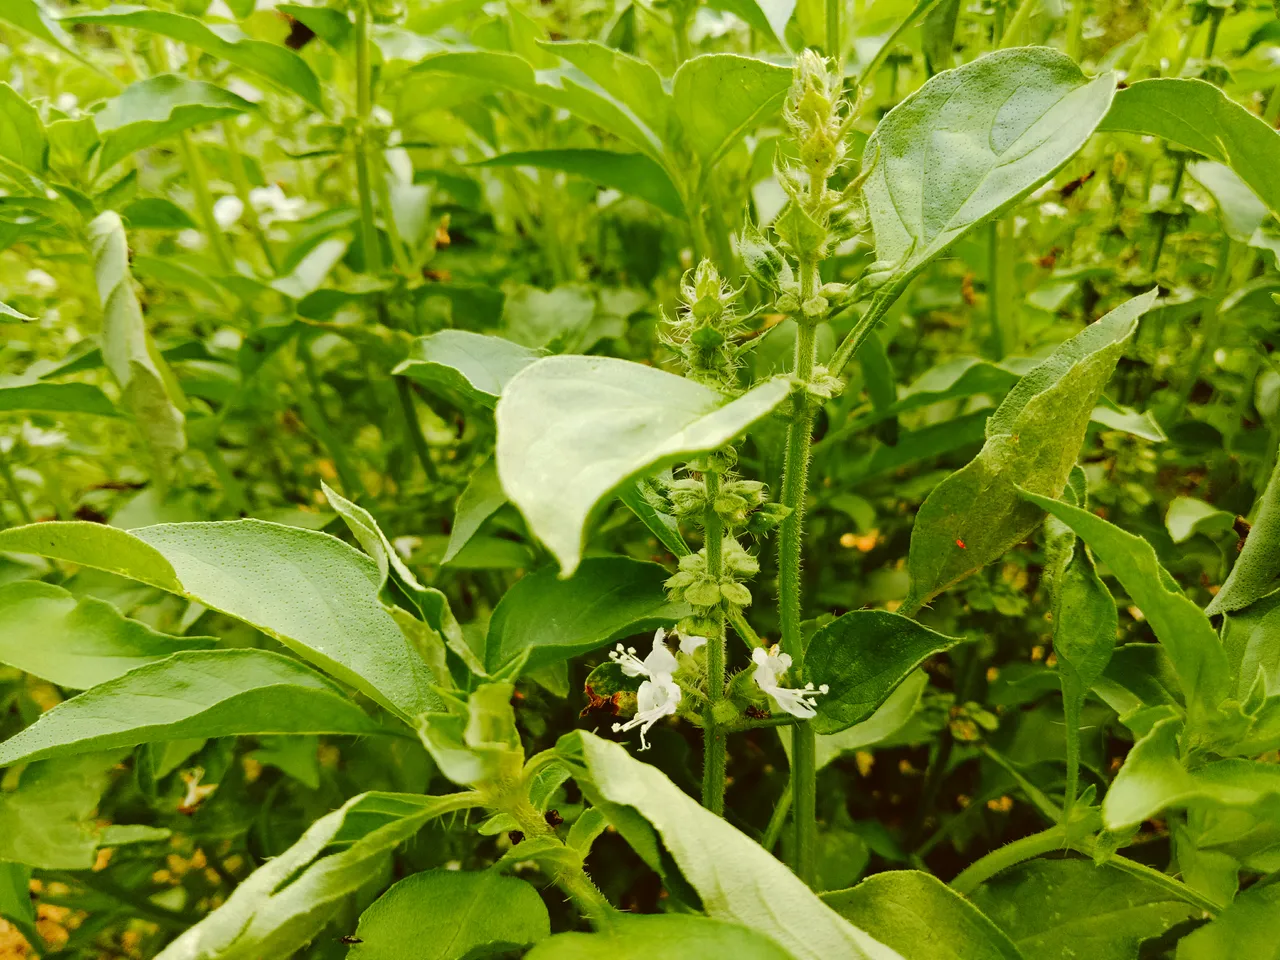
(1008, 856)
(715, 755)
(568, 872)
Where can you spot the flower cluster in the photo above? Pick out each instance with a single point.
(707, 327)
(659, 695)
(770, 665)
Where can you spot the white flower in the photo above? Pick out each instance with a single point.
(660, 664)
(67, 102)
(227, 210)
(770, 664)
(655, 699)
(191, 239)
(42, 281)
(690, 644)
(272, 204)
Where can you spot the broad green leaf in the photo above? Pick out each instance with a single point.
(1154, 778)
(1070, 909)
(46, 631)
(633, 173)
(22, 138)
(1182, 628)
(721, 97)
(481, 498)
(474, 365)
(953, 379)
(1249, 639)
(862, 657)
(571, 430)
(15, 899)
(1188, 516)
(30, 16)
(1199, 116)
(287, 901)
(922, 918)
(971, 142)
(552, 619)
(156, 213)
(331, 25)
(631, 81)
(130, 354)
(670, 936)
(1246, 928)
(938, 35)
(310, 591)
(58, 398)
(158, 108)
(893, 718)
(1242, 212)
(226, 42)
(1033, 440)
(312, 270)
(48, 821)
(770, 17)
(567, 88)
(201, 693)
(448, 914)
(738, 880)
(1257, 569)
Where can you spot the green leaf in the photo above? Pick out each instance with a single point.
(46, 631)
(278, 64)
(1068, 909)
(156, 213)
(481, 498)
(287, 901)
(738, 880)
(1005, 124)
(29, 15)
(633, 173)
(1188, 516)
(447, 914)
(1033, 440)
(1247, 928)
(552, 619)
(158, 108)
(474, 365)
(1257, 570)
(22, 138)
(8, 314)
(572, 430)
(310, 591)
(330, 25)
(58, 398)
(631, 81)
(662, 525)
(895, 717)
(567, 88)
(15, 900)
(1197, 115)
(770, 17)
(1154, 778)
(670, 936)
(130, 354)
(922, 918)
(48, 821)
(862, 657)
(1242, 212)
(721, 97)
(201, 693)
(1182, 628)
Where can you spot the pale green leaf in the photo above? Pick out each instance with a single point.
(1199, 116)
(226, 42)
(448, 914)
(158, 108)
(669, 936)
(631, 81)
(481, 498)
(1257, 569)
(310, 591)
(287, 901)
(862, 657)
(48, 820)
(571, 430)
(30, 15)
(551, 619)
(474, 365)
(203, 693)
(22, 137)
(721, 97)
(8, 314)
(970, 143)
(58, 398)
(922, 918)
(1072, 909)
(1247, 928)
(633, 173)
(1033, 440)
(1182, 628)
(738, 880)
(1242, 212)
(77, 643)
(1188, 516)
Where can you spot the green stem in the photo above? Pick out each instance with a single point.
(6, 471)
(804, 791)
(1209, 322)
(567, 871)
(405, 389)
(204, 202)
(833, 29)
(777, 820)
(1008, 856)
(1020, 18)
(232, 489)
(1075, 30)
(235, 161)
(307, 392)
(364, 106)
(1162, 226)
(715, 753)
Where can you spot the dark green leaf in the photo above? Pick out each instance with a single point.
(156, 213)
(633, 173)
(1247, 928)
(862, 657)
(671, 937)
(22, 138)
(58, 398)
(1257, 570)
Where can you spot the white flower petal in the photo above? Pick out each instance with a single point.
(689, 644)
(654, 700)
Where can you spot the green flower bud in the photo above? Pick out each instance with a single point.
(763, 261)
(705, 326)
(735, 592)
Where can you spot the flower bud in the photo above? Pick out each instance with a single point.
(763, 261)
